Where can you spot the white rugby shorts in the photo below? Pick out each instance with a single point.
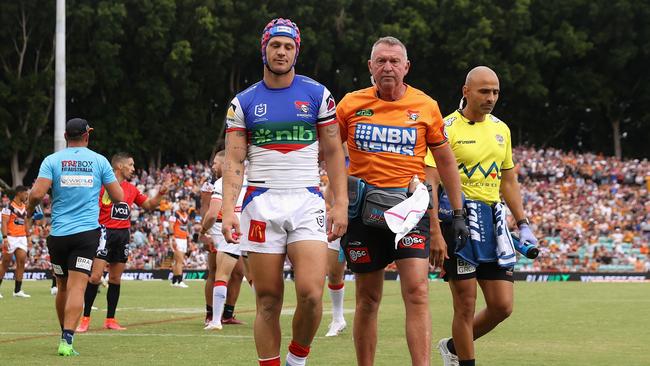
(181, 244)
(271, 219)
(16, 242)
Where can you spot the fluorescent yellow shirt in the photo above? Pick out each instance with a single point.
(483, 150)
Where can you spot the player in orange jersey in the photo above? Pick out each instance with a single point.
(180, 226)
(16, 241)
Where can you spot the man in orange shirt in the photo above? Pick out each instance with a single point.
(180, 226)
(15, 240)
(387, 129)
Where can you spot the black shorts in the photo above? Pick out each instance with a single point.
(456, 268)
(73, 252)
(114, 249)
(369, 249)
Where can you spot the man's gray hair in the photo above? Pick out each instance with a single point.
(391, 41)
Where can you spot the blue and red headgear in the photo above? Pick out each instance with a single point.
(280, 27)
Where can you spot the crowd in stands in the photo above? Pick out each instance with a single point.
(591, 213)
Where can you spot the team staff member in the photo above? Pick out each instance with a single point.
(481, 140)
(180, 226)
(278, 124)
(387, 128)
(116, 221)
(16, 241)
(76, 175)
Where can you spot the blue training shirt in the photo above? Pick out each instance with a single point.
(77, 175)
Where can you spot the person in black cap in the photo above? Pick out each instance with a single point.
(76, 175)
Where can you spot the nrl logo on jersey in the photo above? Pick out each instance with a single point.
(260, 110)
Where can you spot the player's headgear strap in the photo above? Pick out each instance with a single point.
(280, 27)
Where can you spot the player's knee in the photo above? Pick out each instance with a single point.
(310, 298)
(417, 293)
(464, 307)
(269, 305)
(501, 311)
(368, 303)
(114, 279)
(95, 279)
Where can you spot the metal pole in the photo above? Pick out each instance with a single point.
(59, 83)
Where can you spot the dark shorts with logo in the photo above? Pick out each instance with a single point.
(115, 251)
(458, 269)
(369, 249)
(73, 252)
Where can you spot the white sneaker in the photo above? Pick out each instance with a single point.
(21, 293)
(213, 326)
(0, 296)
(174, 285)
(448, 358)
(336, 327)
(104, 282)
(54, 290)
(182, 285)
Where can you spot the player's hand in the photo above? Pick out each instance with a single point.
(337, 221)
(437, 249)
(206, 240)
(166, 186)
(174, 247)
(526, 235)
(230, 227)
(460, 231)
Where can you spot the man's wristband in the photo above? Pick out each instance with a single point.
(523, 221)
(460, 212)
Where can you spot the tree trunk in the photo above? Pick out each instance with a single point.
(17, 174)
(616, 132)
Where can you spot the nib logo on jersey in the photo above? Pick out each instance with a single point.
(377, 138)
(283, 137)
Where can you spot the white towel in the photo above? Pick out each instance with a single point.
(403, 217)
(505, 247)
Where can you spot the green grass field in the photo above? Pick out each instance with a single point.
(553, 324)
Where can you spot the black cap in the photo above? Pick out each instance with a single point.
(77, 127)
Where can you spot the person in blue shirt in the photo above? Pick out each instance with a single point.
(76, 175)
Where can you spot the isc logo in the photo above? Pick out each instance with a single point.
(359, 255)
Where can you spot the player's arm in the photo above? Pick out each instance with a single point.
(153, 203)
(510, 192)
(233, 178)
(448, 174)
(206, 197)
(330, 139)
(36, 194)
(5, 222)
(210, 216)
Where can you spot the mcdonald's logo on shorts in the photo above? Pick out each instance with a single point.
(257, 231)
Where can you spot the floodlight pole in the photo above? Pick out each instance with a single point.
(59, 81)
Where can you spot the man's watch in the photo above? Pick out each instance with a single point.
(523, 221)
(460, 212)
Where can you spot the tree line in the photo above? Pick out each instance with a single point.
(154, 77)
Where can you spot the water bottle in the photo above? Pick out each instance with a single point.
(525, 248)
